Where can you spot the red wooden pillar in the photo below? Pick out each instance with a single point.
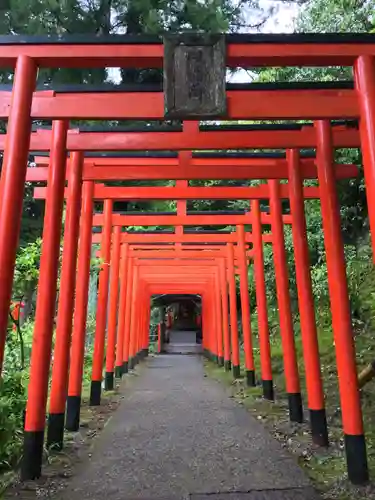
(13, 175)
(224, 303)
(283, 300)
(212, 347)
(219, 319)
(129, 290)
(133, 320)
(245, 307)
(364, 71)
(233, 312)
(146, 338)
(45, 307)
(60, 369)
(205, 342)
(355, 444)
(314, 385)
(101, 313)
(141, 323)
(80, 309)
(261, 299)
(121, 309)
(113, 308)
(159, 338)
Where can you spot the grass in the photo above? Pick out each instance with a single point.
(326, 467)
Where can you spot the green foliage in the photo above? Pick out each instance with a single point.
(12, 405)
(27, 268)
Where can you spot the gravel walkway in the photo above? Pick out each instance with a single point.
(177, 435)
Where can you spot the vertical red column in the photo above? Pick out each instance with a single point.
(60, 369)
(245, 307)
(364, 71)
(129, 290)
(314, 385)
(212, 325)
(113, 308)
(133, 318)
(224, 302)
(121, 309)
(233, 312)
(261, 299)
(101, 313)
(45, 307)
(77, 351)
(355, 445)
(159, 338)
(12, 185)
(146, 341)
(283, 300)
(219, 319)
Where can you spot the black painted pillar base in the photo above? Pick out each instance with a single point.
(356, 458)
(236, 371)
(31, 466)
(250, 378)
(118, 371)
(140, 355)
(131, 364)
(319, 431)
(227, 366)
(109, 381)
(215, 358)
(145, 352)
(73, 410)
(220, 361)
(125, 367)
(268, 390)
(295, 407)
(95, 392)
(55, 431)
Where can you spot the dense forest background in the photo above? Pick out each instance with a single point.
(103, 17)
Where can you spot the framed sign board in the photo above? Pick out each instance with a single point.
(194, 76)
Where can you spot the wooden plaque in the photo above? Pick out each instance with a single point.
(194, 76)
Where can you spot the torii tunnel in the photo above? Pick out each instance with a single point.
(79, 163)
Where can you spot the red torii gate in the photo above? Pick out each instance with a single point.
(292, 380)
(293, 366)
(326, 104)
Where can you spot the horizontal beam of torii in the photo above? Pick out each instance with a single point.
(139, 141)
(147, 51)
(241, 105)
(261, 170)
(184, 238)
(185, 193)
(182, 255)
(184, 220)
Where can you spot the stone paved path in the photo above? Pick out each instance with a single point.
(176, 436)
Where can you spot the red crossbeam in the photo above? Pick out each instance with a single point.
(140, 141)
(184, 220)
(241, 105)
(167, 172)
(150, 55)
(142, 238)
(185, 193)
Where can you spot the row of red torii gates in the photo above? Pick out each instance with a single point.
(138, 266)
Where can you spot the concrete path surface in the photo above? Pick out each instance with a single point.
(177, 435)
(183, 342)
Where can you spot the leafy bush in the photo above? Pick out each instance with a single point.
(12, 405)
